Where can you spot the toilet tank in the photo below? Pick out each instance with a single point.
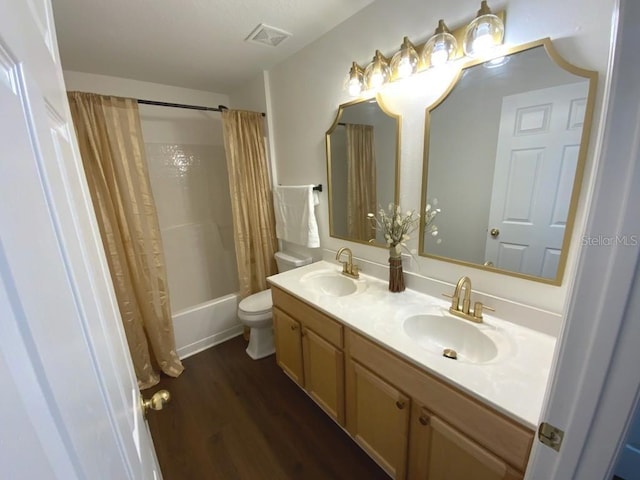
(289, 261)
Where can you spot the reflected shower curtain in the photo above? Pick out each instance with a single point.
(112, 150)
(251, 199)
(361, 181)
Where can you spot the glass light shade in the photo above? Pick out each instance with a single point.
(356, 80)
(483, 33)
(377, 72)
(405, 62)
(440, 48)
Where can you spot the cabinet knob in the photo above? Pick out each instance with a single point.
(401, 404)
(294, 327)
(424, 419)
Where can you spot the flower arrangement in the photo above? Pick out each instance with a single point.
(396, 227)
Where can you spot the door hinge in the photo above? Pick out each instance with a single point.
(551, 436)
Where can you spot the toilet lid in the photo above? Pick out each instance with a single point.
(258, 302)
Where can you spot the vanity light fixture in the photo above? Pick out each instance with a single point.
(483, 33)
(405, 62)
(377, 72)
(356, 80)
(440, 48)
(476, 39)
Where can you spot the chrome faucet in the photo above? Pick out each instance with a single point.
(348, 268)
(465, 311)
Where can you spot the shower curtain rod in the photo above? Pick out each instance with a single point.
(219, 108)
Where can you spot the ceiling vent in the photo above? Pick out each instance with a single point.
(267, 35)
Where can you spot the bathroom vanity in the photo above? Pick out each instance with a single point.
(351, 345)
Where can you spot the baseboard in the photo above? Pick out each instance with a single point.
(203, 344)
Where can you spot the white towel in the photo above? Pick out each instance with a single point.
(295, 215)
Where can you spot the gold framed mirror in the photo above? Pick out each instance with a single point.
(504, 156)
(363, 168)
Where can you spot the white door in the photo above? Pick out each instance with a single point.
(72, 408)
(536, 158)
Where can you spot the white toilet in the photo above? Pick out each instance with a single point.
(255, 310)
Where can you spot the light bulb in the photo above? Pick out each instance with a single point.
(483, 33)
(405, 62)
(355, 80)
(439, 55)
(377, 72)
(376, 79)
(355, 87)
(440, 48)
(483, 39)
(404, 68)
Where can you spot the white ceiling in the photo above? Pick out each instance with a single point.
(189, 43)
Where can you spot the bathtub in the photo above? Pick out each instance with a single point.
(205, 325)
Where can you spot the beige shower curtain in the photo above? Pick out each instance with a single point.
(361, 178)
(251, 199)
(110, 139)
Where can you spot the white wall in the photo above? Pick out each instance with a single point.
(125, 87)
(251, 95)
(307, 88)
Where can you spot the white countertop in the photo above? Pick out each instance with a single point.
(513, 383)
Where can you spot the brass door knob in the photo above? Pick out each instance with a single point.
(157, 401)
(494, 232)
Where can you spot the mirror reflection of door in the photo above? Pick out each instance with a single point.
(505, 148)
(536, 159)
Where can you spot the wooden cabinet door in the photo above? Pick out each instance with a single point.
(288, 337)
(378, 419)
(324, 374)
(439, 452)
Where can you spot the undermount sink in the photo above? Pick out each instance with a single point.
(330, 283)
(439, 332)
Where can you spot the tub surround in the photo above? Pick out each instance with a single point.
(206, 325)
(513, 384)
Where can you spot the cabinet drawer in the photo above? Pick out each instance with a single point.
(308, 316)
(501, 435)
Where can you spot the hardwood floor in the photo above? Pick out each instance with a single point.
(232, 417)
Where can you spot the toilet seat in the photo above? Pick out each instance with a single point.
(256, 307)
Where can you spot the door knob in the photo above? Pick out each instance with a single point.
(157, 401)
(494, 232)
